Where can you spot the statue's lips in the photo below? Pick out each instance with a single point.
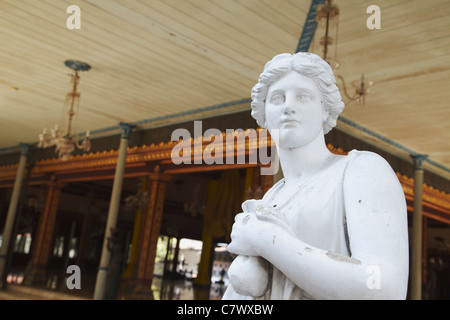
(289, 121)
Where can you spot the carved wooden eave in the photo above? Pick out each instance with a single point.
(91, 166)
(436, 203)
(142, 160)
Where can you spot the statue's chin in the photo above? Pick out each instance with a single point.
(249, 276)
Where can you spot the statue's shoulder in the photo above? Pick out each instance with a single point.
(363, 160)
(369, 170)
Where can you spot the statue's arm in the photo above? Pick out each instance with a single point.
(377, 229)
(377, 223)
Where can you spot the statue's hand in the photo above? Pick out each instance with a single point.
(267, 214)
(253, 232)
(276, 219)
(251, 205)
(240, 221)
(244, 235)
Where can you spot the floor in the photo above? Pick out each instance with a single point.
(21, 292)
(163, 289)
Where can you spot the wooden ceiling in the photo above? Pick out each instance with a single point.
(157, 59)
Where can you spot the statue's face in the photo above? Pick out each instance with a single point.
(293, 106)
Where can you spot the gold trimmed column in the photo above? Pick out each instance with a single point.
(135, 240)
(12, 210)
(148, 234)
(417, 232)
(37, 267)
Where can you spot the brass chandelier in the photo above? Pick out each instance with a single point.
(66, 142)
(327, 18)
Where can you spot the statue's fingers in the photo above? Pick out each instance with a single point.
(233, 248)
(239, 217)
(250, 205)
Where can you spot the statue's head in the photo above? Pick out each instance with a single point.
(309, 65)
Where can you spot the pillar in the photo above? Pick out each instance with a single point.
(36, 270)
(204, 269)
(417, 232)
(262, 183)
(135, 239)
(102, 274)
(175, 256)
(149, 230)
(278, 175)
(267, 182)
(203, 280)
(12, 210)
(425, 250)
(84, 238)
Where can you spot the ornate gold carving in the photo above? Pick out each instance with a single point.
(430, 194)
(335, 150)
(161, 154)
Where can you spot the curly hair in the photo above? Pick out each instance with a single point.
(309, 65)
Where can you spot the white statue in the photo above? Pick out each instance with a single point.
(336, 226)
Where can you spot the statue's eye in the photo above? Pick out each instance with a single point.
(277, 99)
(304, 97)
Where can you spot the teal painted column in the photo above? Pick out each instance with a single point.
(102, 275)
(11, 216)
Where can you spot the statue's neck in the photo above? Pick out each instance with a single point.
(306, 160)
